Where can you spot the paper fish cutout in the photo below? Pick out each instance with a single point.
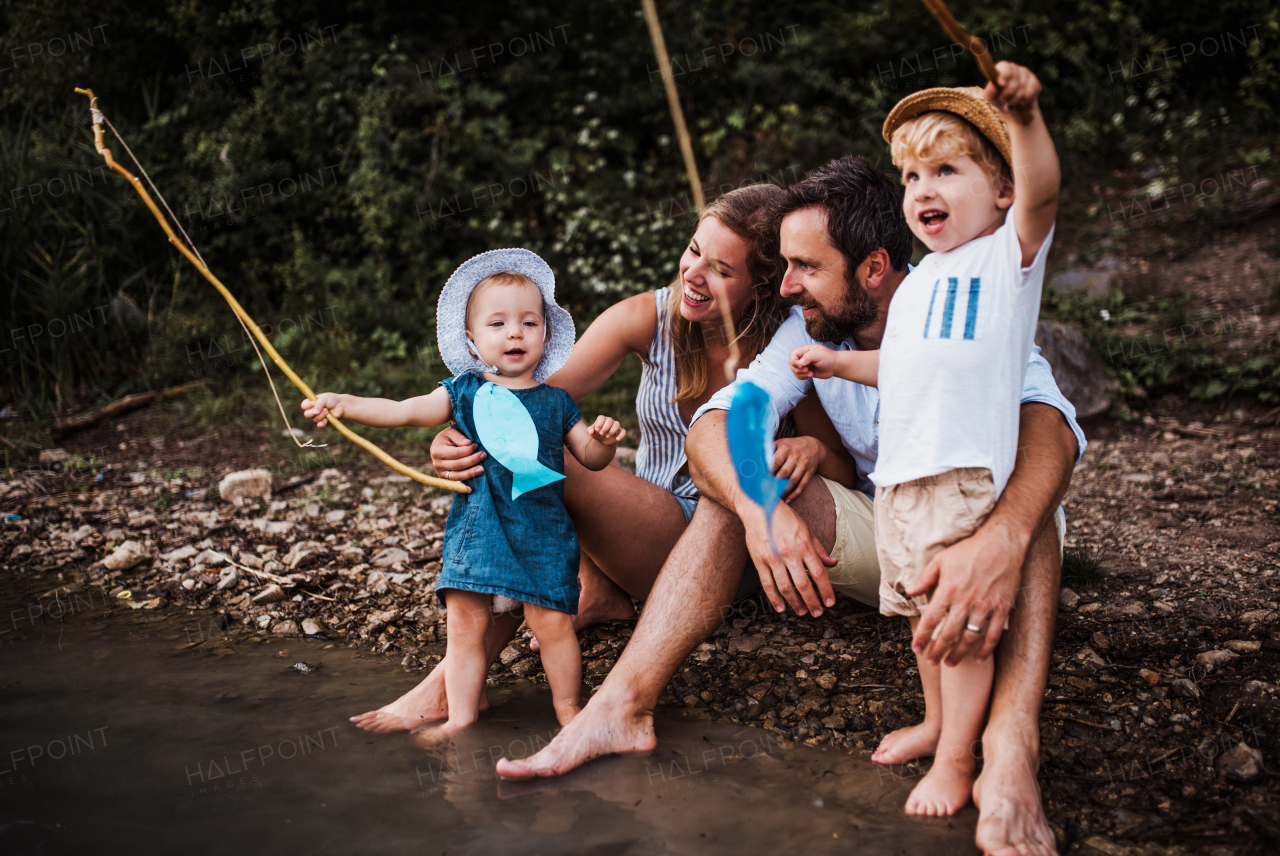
(508, 434)
(751, 447)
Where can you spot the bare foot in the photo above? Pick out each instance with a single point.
(604, 727)
(599, 603)
(1011, 819)
(943, 791)
(437, 736)
(423, 704)
(907, 744)
(568, 713)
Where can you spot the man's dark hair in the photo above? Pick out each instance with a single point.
(863, 206)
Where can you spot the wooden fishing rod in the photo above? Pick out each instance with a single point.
(96, 114)
(972, 43)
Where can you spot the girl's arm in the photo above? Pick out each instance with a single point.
(626, 327)
(424, 410)
(594, 446)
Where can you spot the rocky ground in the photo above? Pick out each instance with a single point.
(1160, 719)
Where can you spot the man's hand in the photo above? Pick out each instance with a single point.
(810, 361)
(975, 582)
(606, 430)
(324, 405)
(789, 576)
(455, 457)
(797, 459)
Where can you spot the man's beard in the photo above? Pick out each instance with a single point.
(855, 313)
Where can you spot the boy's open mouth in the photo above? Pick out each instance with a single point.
(932, 220)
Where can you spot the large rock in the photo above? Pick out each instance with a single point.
(1079, 369)
(126, 556)
(246, 484)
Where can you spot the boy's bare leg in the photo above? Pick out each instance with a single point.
(561, 658)
(698, 581)
(1012, 821)
(428, 702)
(916, 741)
(948, 786)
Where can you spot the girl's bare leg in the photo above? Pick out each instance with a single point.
(469, 616)
(427, 702)
(561, 658)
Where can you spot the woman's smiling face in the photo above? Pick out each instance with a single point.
(714, 267)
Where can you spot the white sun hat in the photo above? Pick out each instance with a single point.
(451, 311)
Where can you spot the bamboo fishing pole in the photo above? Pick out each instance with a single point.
(690, 166)
(446, 484)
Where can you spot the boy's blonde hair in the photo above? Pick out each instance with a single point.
(502, 277)
(939, 136)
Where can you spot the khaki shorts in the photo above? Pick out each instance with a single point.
(918, 519)
(857, 570)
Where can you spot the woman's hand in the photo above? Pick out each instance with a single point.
(455, 457)
(797, 459)
(325, 404)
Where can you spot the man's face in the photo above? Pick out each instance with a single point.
(817, 279)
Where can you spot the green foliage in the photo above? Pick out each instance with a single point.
(345, 180)
(1083, 566)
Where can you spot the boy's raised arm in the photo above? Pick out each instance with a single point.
(1036, 174)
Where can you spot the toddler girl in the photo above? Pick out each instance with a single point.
(510, 540)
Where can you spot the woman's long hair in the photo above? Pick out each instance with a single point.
(747, 212)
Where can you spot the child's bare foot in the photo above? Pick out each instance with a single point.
(421, 705)
(566, 713)
(437, 736)
(944, 790)
(907, 744)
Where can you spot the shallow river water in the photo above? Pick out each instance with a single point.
(138, 731)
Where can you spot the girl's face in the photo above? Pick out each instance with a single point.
(714, 267)
(951, 203)
(507, 325)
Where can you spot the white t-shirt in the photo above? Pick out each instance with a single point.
(953, 359)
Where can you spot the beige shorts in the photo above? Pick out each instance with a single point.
(857, 570)
(918, 519)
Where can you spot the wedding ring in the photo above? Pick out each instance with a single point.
(973, 628)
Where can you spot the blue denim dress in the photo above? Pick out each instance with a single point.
(526, 549)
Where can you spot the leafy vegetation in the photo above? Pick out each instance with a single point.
(335, 161)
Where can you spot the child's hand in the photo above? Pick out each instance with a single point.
(1019, 87)
(607, 431)
(809, 361)
(324, 405)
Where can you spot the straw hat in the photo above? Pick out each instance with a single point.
(967, 102)
(451, 311)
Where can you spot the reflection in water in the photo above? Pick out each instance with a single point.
(138, 731)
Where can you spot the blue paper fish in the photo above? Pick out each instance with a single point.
(508, 434)
(751, 447)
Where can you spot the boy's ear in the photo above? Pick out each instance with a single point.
(1004, 199)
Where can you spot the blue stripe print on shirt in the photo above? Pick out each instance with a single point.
(928, 319)
(949, 308)
(971, 313)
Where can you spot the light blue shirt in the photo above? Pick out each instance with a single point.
(854, 409)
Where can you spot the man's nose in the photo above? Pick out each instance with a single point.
(789, 285)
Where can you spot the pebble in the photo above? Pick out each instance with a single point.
(1067, 599)
(1240, 763)
(1089, 656)
(377, 582)
(312, 627)
(271, 594)
(336, 517)
(284, 628)
(745, 644)
(303, 550)
(184, 552)
(246, 484)
(126, 556)
(1258, 616)
(1244, 646)
(1185, 688)
(228, 578)
(1218, 657)
(390, 556)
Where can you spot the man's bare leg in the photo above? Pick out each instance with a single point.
(1011, 820)
(427, 702)
(699, 579)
